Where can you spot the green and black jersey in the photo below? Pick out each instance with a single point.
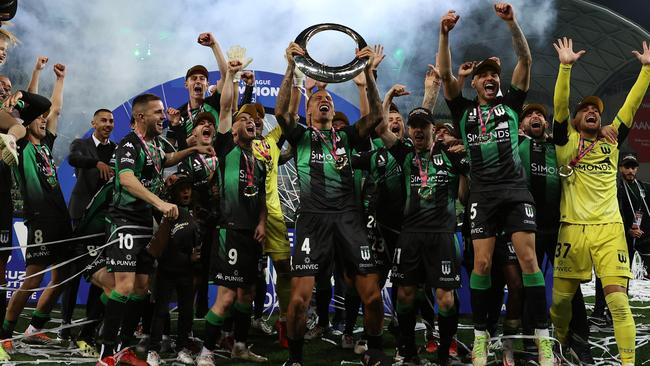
(443, 169)
(38, 181)
(204, 172)
(493, 155)
(132, 155)
(210, 104)
(239, 211)
(384, 179)
(95, 215)
(540, 167)
(323, 188)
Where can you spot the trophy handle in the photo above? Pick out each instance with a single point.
(329, 74)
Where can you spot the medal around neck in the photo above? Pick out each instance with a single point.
(329, 74)
(250, 191)
(425, 192)
(341, 162)
(565, 171)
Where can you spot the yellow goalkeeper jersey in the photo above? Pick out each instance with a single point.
(589, 194)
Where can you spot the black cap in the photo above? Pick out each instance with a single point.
(488, 63)
(196, 69)
(201, 116)
(449, 126)
(420, 115)
(175, 180)
(393, 107)
(629, 159)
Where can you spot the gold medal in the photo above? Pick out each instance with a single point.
(250, 191)
(341, 162)
(565, 171)
(425, 192)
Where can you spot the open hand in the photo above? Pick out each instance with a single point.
(564, 48)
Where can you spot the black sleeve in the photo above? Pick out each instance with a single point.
(561, 133)
(355, 141)
(126, 153)
(295, 134)
(48, 140)
(399, 151)
(515, 99)
(178, 133)
(361, 160)
(78, 157)
(457, 107)
(223, 144)
(214, 101)
(459, 163)
(247, 98)
(35, 105)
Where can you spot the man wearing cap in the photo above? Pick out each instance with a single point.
(203, 169)
(634, 206)
(537, 153)
(196, 83)
(340, 120)
(242, 226)
(267, 149)
(588, 167)
(499, 198)
(426, 250)
(46, 217)
(329, 224)
(139, 164)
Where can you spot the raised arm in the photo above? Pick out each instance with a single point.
(375, 113)
(208, 40)
(431, 87)
(383, 130)
(225, 115)
(567, 57)
(36, 73)
(57, 99)
(624, 118)
(283, 113)
(450, 85)
(521, 73)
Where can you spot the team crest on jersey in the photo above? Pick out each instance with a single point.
(365, 252)
(530, 211)
(622, 256)
(499, 110)
(437, 160)
(605, 149)
(445, 267)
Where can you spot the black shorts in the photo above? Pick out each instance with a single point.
(239, 259)
(504, 251)
(491, 212)
(6, 223)
(429, 258)
(323, 238)
(127, 251)
(378, 246)
(46, 231)
(92, 259)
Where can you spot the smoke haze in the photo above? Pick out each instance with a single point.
(115, 49)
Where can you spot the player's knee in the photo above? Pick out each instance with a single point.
(483, 265)
(372, 299)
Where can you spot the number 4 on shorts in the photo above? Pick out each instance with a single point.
(305, 246)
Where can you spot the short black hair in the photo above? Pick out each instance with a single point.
(101, 110)
(143, 99)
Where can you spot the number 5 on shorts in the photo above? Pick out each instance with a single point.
(472, 211)
(305, 246)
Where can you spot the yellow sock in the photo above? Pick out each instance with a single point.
(624, 328)
(563, 291)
